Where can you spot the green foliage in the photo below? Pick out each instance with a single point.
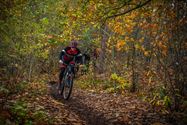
(20, 110)
(167, 101)
(40, 115)
(28, 122)
(120, 82)
(4, 90)
(22, 114)
(45, 21)
(159, 97)
(52, 41)
(20, 87)
(88, 82)
(162, 92)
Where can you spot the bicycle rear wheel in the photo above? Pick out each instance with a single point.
(67, 85)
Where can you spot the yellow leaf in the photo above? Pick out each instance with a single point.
(137, 46)
(120, 44)
(146, 53)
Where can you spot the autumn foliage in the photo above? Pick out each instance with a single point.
(135, 46)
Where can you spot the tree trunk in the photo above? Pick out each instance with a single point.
(103, 50)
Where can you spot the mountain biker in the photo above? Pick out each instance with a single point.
(66, 56)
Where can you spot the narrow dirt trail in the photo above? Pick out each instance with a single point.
(108, 109)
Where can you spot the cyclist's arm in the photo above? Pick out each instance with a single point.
(78, 56)
(62, 53)
(79, 52)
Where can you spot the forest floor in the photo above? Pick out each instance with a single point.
(85, 107)
(101, 108)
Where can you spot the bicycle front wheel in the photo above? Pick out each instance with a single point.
(67, 85)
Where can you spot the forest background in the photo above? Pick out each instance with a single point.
(136, 46)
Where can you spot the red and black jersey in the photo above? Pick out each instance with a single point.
(68, 53)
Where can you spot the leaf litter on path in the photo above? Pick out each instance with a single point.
(110, 109)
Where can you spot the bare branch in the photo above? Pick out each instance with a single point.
(138, 6)
(117, 8)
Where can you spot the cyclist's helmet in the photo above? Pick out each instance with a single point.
(74, 44)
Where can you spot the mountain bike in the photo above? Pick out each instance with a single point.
(68, 78)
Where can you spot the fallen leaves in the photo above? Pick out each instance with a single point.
(112, 109)
(41, 107)
(85, 107)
